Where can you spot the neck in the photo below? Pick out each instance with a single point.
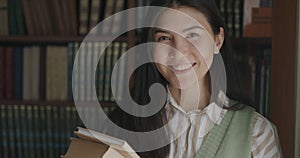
(193, 97)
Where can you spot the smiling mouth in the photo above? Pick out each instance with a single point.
(181, 68)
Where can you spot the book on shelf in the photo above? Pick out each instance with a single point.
(117, 21)
(109, 10)
(257, 18)
(46, 72)
(94, 144)
(4, 19)
(231, 10)
(83, 16)
(95, 13)
(9, 75)
(31, 73)
(2, 72)
(56, 73)
(56, 17)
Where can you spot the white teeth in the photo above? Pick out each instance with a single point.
(182, 67)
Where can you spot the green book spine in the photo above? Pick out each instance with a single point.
(38, 145)
(4, 132)
(43, 130)
(18, 130)
(24, 133)
(11, 133)
(49, 122)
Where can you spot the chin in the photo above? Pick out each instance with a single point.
(184, 85)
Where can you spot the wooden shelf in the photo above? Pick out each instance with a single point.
(54, 39)
(52, 103)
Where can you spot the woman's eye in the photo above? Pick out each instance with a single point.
(163, 38)
(191, 35)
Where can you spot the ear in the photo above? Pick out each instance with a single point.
(219, 39)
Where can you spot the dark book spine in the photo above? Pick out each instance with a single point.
(17, 131)
(12, 20)
(42, 74)
(4, 131)
(9, 78)
(2, 73)
(70, 69)
(18, 64)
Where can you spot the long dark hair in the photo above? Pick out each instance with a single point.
(147, 74)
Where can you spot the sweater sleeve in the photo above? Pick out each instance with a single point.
(265, 141)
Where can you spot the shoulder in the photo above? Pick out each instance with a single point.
(265, 142)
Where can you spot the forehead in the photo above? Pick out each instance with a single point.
(177, 19)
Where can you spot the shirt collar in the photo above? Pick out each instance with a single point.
(214, 111)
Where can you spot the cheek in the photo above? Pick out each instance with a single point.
(205, 54)
(159, 56)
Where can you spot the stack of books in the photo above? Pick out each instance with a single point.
(93, 144)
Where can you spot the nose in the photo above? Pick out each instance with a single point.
(182, 45)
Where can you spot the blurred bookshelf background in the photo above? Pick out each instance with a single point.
(39, 40)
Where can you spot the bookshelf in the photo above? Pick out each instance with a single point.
(42, 127)
(244, 46)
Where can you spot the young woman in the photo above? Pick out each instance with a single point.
(186, 57)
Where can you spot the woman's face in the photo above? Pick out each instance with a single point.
(185, 45)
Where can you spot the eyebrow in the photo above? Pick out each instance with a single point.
(184, 30)
(192, 27)
(160, 31)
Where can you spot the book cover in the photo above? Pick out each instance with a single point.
(56, 73)
(73, 12)
(29, 138)
(24, 129)
(109, 7)
(88, 71)
(43, 130)
(82, 66)
(95, 13)
(12, 17)
(11, 129)
(247, 12)
(229, 17)
(238, 17)
(101, 71)
(17, 130)
(95, 60)
(21, 28)
(94, 144)
(35, 73)
(26, 82)
(28, 18)
(4, 19)
(117, 21)
(257, 20)
(107, 74)
(46, 14)
(58, 16)
(40, 20)
(18, 64)
(2, 72)
(70, 68)
(4, 131)
(42, 73)
(114, 81)
(122, 83)
(9, 73)
(83, 16)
